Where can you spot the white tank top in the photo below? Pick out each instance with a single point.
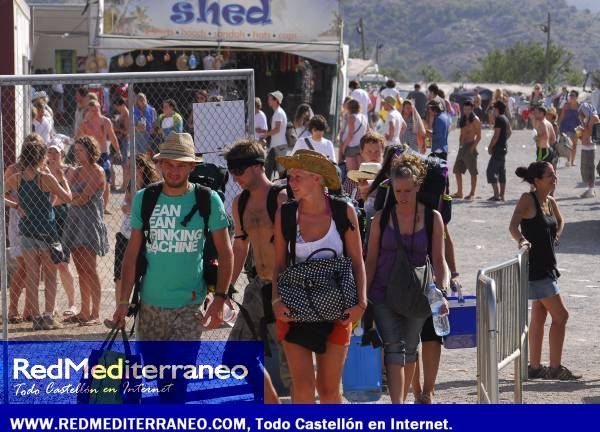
(331, 240)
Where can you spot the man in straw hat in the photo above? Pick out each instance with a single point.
(173, 287)
(253, 214)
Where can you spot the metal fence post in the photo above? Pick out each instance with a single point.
(3, 264)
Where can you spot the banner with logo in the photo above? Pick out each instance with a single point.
(287, 21)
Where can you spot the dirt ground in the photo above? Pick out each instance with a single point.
(481, 237)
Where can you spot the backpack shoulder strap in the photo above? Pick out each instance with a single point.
(202, 206)
(272, 201)
(386, 212)
(309, 144)
(339, 212)
(429, 228)
(242, 202)
(149, 200)
(289, 227)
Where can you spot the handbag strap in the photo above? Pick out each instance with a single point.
(397, 232)
(322, 250)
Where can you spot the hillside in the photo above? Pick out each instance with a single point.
(452, 35)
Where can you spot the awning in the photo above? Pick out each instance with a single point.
(111, 46)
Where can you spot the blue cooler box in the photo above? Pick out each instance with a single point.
(362, 376)
(463, 323)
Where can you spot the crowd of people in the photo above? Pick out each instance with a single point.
(308, 204)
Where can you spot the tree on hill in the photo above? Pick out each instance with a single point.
(523, 63)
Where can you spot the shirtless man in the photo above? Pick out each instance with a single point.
(545, 138)
(245, 162)
(470, 135)
(100, 127)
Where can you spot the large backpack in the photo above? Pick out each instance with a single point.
(289, 224)
(212, 176)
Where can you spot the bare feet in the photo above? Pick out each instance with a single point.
(456, 196)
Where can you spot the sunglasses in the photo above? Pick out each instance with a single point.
(238, 171)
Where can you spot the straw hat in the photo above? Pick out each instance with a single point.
(313, 162)
(390, 100)
(178, 147)
(366, 171)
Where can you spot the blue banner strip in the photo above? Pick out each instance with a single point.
(250, 418)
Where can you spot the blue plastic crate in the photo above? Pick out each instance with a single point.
(463, 323)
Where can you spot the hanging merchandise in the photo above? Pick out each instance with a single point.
(193, 61)
(167, 57)
(121, 61)
(128, 59)
(101, 62)
(140, 60)
(150, 57)
(182, 62)
(90, 64)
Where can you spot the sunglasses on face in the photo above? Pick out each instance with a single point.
(238, 171)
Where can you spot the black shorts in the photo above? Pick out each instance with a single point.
(428, 333)
(496, 171)
(120, 246)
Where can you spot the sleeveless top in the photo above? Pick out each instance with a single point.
(331, 240)
(540, 231)
(360, 129)
(39, 220)
(569, 121)
(410, 138)
(415, 244)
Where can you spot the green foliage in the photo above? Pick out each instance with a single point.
(574, 77)
(523, 63)
(430, 74)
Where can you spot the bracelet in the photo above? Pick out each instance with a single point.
(220, 294)
(363, 306)
(277, 300)
(123, 303)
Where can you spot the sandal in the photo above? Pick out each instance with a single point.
(561, 373)
(74, 319)
(69, 312)
(537, 373)
(423, 399)
(456, 196)
(15, 319)
(89, 323)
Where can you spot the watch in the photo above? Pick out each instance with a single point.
(222, 295)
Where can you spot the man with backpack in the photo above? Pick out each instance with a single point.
(170, 223)
(253, 215)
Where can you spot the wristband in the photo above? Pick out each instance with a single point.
(123, 303)
(222, 295)
(277, 300)
(454, 274)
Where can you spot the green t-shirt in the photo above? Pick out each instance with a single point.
(174, 277)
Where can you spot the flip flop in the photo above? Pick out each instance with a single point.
(74, 319)
(89, 323)
(469, 197)
(16, 319)
(456, 196)
(69, 312)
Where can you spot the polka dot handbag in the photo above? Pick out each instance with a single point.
(318, 289)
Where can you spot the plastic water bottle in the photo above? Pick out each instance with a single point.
(441, 323)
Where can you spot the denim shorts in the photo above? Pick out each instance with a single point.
(104, 162)
(542, 289)
(401, 335)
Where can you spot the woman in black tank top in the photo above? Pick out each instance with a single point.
(541, 224)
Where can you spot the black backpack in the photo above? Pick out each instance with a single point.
(212, 176)
(203, 207)
(271, 206)
(289, 224)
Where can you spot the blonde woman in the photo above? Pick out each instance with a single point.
(309, 173)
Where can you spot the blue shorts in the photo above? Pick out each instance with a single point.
(542, 289)
(104, 162)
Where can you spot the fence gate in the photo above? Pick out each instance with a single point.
(216, 107)
(502, 325)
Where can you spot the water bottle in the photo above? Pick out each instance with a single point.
(441, 324)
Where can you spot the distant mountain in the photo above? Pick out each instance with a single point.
(452, 35)
(592, 5)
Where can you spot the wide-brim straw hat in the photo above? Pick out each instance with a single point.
(366, 171)
(178, 147)
(313, 162)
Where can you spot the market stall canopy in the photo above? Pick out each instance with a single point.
(358, 67)
(308, 28)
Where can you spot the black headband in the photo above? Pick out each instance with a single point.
(244, 163)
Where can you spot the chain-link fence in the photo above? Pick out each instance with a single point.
(46, 294)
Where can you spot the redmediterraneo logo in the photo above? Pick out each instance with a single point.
(213, 12)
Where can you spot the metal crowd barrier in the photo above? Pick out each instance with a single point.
(502, 326)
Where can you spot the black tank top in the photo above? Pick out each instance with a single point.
(540, 231)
